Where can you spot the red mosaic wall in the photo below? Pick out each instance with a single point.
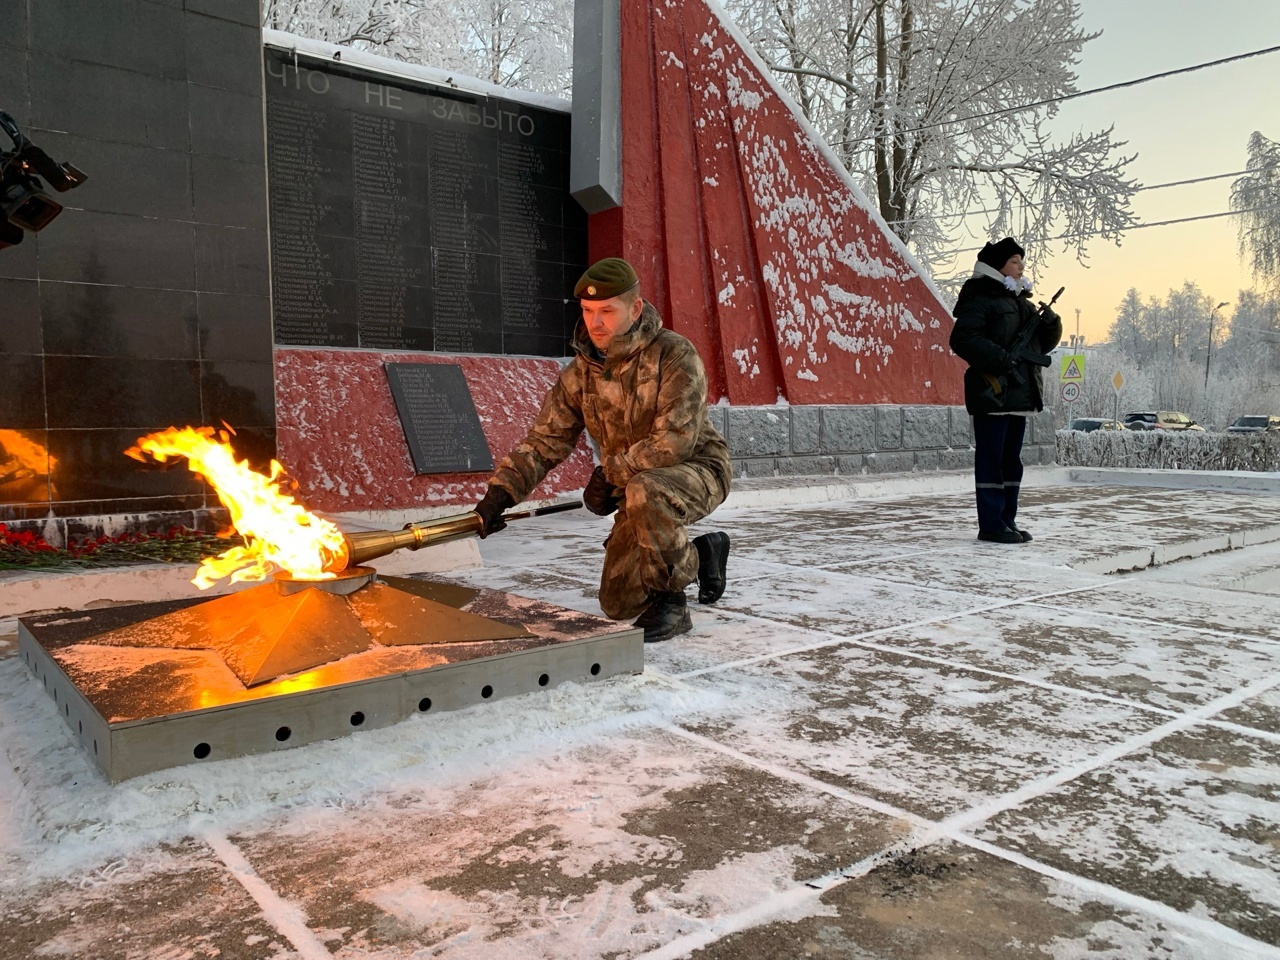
(339, 436)
(751, 239)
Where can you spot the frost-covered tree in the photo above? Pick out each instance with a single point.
(916, 97)
(1256, 196)
(515, 43)
(1161, 345)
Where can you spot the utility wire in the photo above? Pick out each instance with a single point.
(1154, 186)
(1069, 96)
(1136, 226)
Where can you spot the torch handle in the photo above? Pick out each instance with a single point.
(543, 511)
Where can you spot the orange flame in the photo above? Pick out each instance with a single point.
(277, 532)
(27, 457)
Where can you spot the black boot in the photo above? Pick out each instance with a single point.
(1025, 535)
(713, 559)
(666, 616)
(1000, 536)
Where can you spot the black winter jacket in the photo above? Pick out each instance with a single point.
(988, 318)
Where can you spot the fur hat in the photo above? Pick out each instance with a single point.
(996, 255)
(606, 279)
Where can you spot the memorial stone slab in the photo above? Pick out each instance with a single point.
(406, 216)
(439, 418)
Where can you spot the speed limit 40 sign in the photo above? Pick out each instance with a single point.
(1070, 391)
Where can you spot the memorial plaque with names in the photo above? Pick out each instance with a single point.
(406, 216)
(439, 418)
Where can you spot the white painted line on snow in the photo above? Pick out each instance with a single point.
(1165, 624)
(985, 811)
(1209, 929)
(926, 832)
(879, 631)
(803, 779)
(289, 919)
(775, 907)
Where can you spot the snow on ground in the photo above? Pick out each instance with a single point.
(887, 739)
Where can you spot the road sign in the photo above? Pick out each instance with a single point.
(1071, 391)
(1072, 367)
(1118, 381)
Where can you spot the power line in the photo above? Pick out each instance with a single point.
(1136, 226)
(1154, 186)
(1074, 96)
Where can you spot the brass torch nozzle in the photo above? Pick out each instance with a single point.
(363, 547)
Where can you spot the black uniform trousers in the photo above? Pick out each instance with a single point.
(997, 469)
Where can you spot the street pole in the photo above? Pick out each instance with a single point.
(1208, 353)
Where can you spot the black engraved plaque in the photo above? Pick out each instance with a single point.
(406, 216)
(439, 419)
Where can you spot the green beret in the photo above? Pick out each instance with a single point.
(606, 279)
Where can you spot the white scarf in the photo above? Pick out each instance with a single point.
(1015, 287)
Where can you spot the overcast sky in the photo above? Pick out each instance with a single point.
(1188, 126)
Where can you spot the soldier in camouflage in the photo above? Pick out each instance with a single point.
(640, 392)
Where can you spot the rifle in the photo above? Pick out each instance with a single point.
(997, 386)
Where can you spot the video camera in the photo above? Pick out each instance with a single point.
(23, 204)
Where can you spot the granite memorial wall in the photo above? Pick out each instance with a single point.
(406, 216)
(145, 304)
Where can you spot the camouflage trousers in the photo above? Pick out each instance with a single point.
(649, 551)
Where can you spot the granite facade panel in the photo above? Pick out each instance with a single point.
(106, 392)
(127, 178)
(124, 106)
(758, 431)
(221, 53)
(848, 430)
(233, 327)
(227, 124)
(102, 305)
(22, 399)
(130, 34)
(100, 320)
(888, 427)
(925, 428)
(231, 260)
(806, 425)
(20, 317)
(240, 11)
(232, 193)
(113, 248)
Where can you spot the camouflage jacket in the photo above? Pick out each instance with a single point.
(644, 405)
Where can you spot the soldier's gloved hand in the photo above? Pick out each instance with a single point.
(496, 502)
(599, 495)
(1048, 317)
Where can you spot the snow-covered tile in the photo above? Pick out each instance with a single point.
(1190, 822)
(928, 738)
(947, 900)
(982, 572)
(1164, 667)
(168, 902)
(718, 639)
(604, 850)
(1188, 605)
(844, 603)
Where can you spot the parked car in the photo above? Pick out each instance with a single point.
(1090, 424)
(1255, 423)
(1160, 420)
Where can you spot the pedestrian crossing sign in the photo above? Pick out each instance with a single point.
(1072, 368)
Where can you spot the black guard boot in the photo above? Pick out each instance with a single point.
(666, 616)
(713, 560)
(1000, 536)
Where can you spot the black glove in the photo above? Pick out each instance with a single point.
(496, 502)
(599, 495)
(1048, 317)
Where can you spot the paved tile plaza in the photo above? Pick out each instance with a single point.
(887, 741)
